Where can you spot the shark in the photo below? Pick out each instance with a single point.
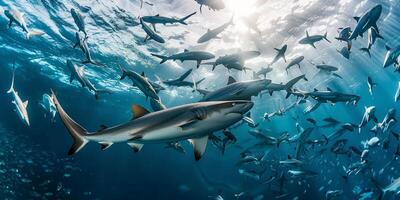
(17, 17)
(197, 56)
(193, 122)
(150, 33)
(79, 20)
(158, 19)
(366, 21)
(312, 39)
(280, 54)
(140, 81)
(21, 106)
(213, 34)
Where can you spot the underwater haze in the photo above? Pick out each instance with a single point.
(256, 99)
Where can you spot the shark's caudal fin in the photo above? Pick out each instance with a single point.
(366, 50)
(12, 83)
(182, 20)
(163, 58)
(77, 132)
(32, 33)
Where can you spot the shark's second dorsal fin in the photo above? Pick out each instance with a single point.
(315, 90)
(357, 18)
(387, 47)
(138, 111)
(329, 89)
(25, 103)
(102, 127)
(185, 50)
(307, 34)
(143, 74)
(231, 80)
(157, 15)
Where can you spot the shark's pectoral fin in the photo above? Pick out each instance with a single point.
(105, 145)
(188, 124)
(313, 45)
(199, 146)
(146, 38)
(71, 78)
(135, 146)
(198, 64)
(10, 23)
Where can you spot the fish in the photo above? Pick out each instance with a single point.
(397, 94)
(158, 19)
(212, 4)
(48, 105)
(140, 81)
(213, 33)
(193, 122)
(295, 61)
(369, 115)
(366, 21)
(151, 35)
(370, 84)
(280, 54)
(311, 40)
(20, 105)
(79, 20)
(373, 34)
(197, 56)
(17, 17)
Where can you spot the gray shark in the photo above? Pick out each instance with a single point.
(373, 34)
(48, 105)
(243, 90)
(392, 187)
(213, 34)
(326, 69)
(157, 19)
(274, 87)
(198, 56)
(366, 21)
(212, 4)
(263, 71)
(21, 106)
(140, 81)
(397, 94)
(311, 40)
(79, 20)
(150, 33)
(17, 17)
(295, 61)
(301, 141)
(78, 73)
(280, 54)
(344, 35)
(81, 42)
(193, 122)
(392, 56)
(235, 61)
(180, 82)
(369, 115)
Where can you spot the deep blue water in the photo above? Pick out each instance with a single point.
(33, 159)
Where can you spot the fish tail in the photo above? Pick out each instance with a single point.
(326, 37)
(77, 132)
(12, 83)
(182, 20)
(366, 50)
(163, 58)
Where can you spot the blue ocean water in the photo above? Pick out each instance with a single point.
(33, 159)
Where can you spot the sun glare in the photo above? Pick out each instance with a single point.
(241, 8)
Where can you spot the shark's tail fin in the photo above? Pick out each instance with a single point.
(326, 37)
(366, 50)
(182, 20)
(77, 132)
(32, 33)
(163, 58)
(12, 83)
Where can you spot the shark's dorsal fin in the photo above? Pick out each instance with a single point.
(143, 74)
(387, 47)
(138, 111)
(157, 15)
(25, 103)
(329, 89)
(315, 90)
(307, 34)
(185, 50)
(289, 157)
(231, 80)
(199, 146)
(357, 18)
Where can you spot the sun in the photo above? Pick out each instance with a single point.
(241, 8)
